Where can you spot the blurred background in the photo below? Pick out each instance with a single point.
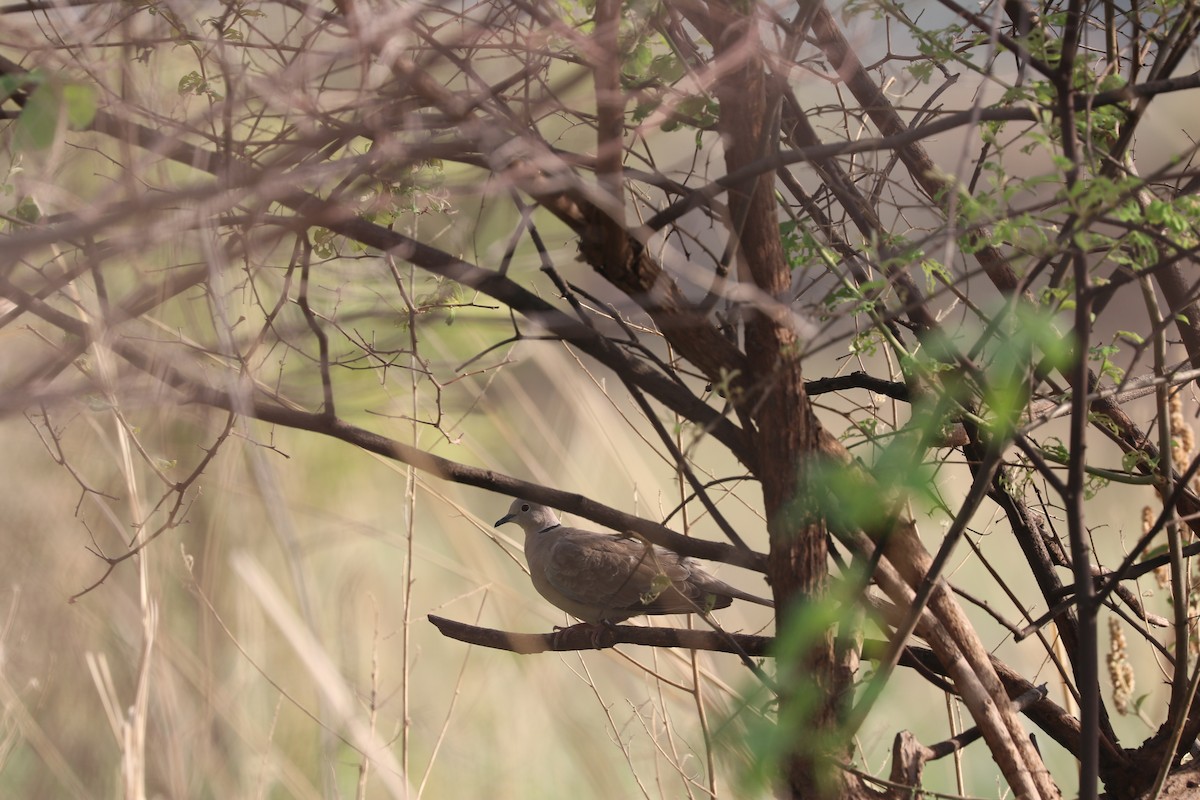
(272, 639)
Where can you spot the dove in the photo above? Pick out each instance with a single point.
(607, 578)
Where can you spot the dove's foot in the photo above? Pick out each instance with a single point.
(602, 634)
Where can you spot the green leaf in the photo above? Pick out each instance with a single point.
(80, 103)
(39, 119)
(637, 62)
(1103, 353)
(11, 84)
(26, 210)
(1153, 552)
(644, 109)
(324, 243)
(921, 71)
(1132, 459)
(193, 83)
(658, 584)
(667, 68)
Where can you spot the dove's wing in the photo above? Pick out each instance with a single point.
(616, 573)
(599, 577)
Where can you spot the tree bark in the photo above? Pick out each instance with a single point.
(787, 433)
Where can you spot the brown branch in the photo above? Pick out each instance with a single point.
(957, 645)
(316, 211)
(608, 247)
(195, 390)
(895, 135)
(580, 637)
(1032, 701)
(1059, 725)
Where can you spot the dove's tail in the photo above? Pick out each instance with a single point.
(740, 595)
(719, 587)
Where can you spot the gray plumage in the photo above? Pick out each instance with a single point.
(599, 577)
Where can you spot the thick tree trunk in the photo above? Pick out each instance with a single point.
(787, 434)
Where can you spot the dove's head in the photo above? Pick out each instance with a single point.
(532, 517)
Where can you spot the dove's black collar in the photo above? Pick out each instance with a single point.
(552, 527)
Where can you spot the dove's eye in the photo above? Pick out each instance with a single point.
(525, 507)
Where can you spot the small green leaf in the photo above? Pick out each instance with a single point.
(11, 84)
(192, 83)
(1152, 553)
(39, 119)
(27, 210)
(324, 243)
(667, 68)
(80, 102)
(659, 584)
(637, 62)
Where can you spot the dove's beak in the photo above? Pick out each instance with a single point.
(504, 519)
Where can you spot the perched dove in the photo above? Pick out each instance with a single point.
(599, 577)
